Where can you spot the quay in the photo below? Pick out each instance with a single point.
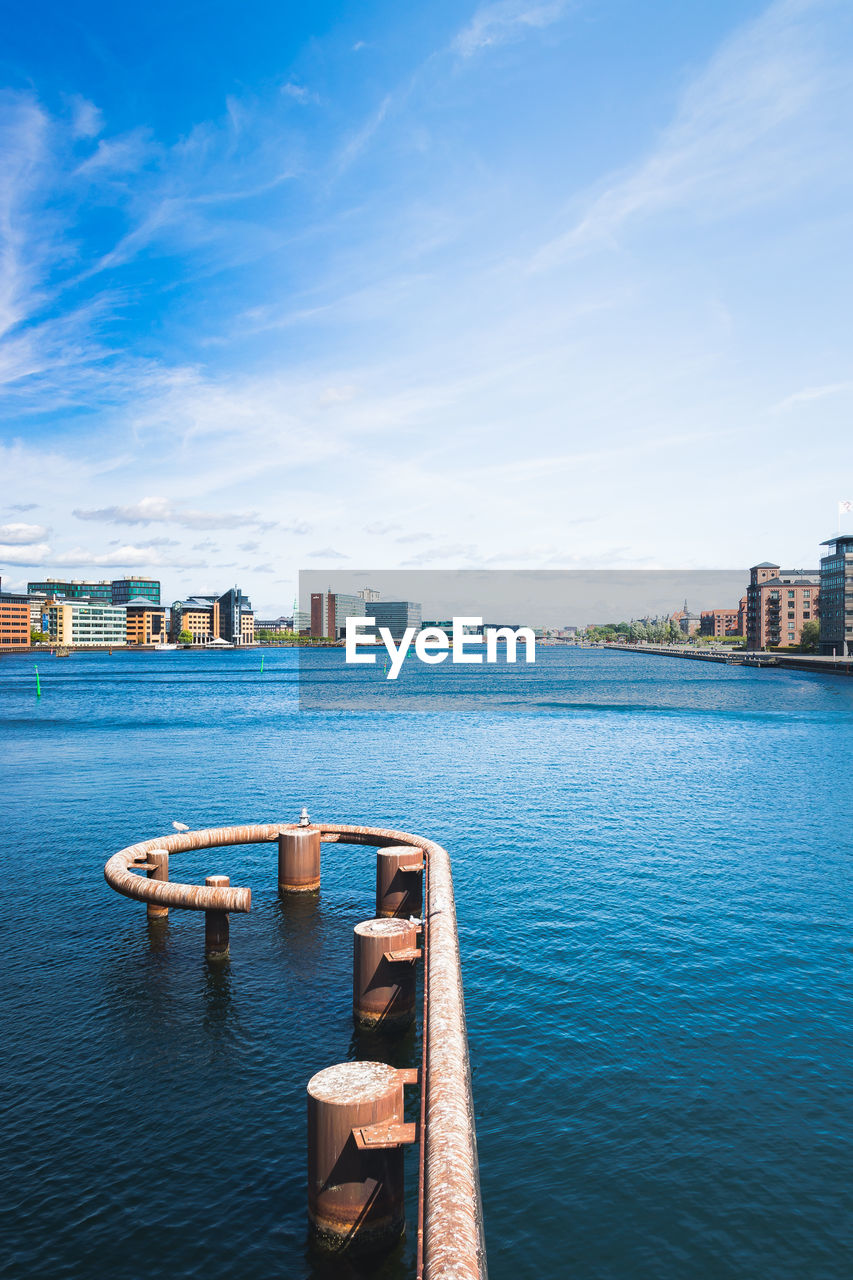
(818, 663)
(356, 1128)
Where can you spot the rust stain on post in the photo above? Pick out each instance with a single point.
(216, 927)
(299, 860)
(383, 982)
(399, 874)
(356, 1135)
(158, 869)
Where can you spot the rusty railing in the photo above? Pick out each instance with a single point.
(451, 1243)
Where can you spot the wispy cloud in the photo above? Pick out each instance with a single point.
(327, 553)
(162, 511)
(504, 21)
(737, 136)
(809, 394)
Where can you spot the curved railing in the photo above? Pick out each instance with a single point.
(450, 1222)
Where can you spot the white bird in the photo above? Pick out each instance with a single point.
(180, 826)
(304, 820)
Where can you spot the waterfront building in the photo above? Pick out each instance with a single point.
(146, 622)
(228, 617)
(86, 623)
(330, 610)
(277, 625)
(369, 595)
(117, 591)
(687, 622)
(396, 615)
(779, 601)
(14, 622)
(72, 589)
(720, 622)
(126, 589)
(836, 596)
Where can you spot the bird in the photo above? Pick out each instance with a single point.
(180, 826)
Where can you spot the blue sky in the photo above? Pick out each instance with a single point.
(524, 284)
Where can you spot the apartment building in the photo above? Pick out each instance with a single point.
(779, 601)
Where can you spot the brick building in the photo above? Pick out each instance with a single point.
(779, 601)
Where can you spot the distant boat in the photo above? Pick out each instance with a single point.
(160, 648)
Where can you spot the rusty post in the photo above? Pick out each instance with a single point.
(356, 1135)
(299, 860)
(216, 926)
(383, 973)
(158, 862)
(399, 881)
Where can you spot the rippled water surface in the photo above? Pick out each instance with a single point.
(652, 870)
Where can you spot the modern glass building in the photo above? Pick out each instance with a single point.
(836, 596)
(330, 610)
(396, 615)
(119, 591)
(126, 589)
(72, 589)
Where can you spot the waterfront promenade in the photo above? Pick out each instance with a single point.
(762, 658)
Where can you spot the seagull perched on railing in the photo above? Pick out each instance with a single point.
(180, 826)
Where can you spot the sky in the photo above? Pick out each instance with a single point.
(528, 284)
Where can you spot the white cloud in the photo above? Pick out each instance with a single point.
(507, 20)
(32, 555)
(22, 534)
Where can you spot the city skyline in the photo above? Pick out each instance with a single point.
(517, 285)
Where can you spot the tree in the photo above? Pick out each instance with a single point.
(38, 637)
(186, 637)
(809, 636)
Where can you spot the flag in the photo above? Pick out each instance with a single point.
(844, 508)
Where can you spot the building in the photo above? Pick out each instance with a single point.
(330, 610)
(228, 618)
(369, 595)
(118, 591)
(146, 622)
(778, 602)
(836, 596)
(126, 589)
(276, 625)
(396, 615)
(86, 623)
(687, 622)
(14, 622)
(71, 589)
(720, 622)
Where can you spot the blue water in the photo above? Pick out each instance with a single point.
(652, 869)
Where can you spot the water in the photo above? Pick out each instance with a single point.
(652, 865)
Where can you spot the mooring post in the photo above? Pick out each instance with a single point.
(299, 860)
(356, 1135)
(383, 972)
(216, 926)
(158, 864)
(399, 881)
